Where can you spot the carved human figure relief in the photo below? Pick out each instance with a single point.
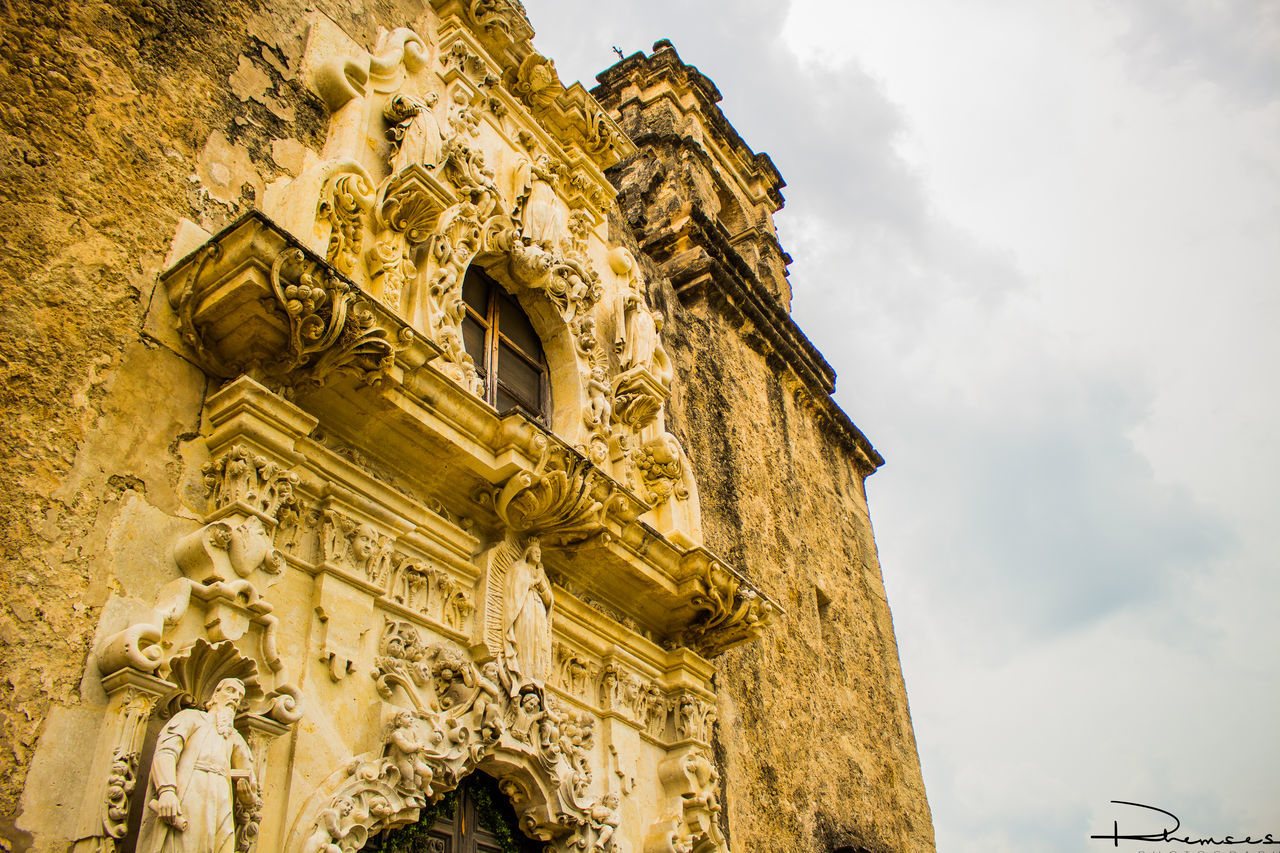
(637, 339)
(527, 619)
(605, 820)
(201, 766)
(414, 132)
(331, 828)
(599, 412)
(538, 209)
(405, 750)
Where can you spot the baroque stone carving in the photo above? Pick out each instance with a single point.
(414, 133)
(574, 673)
(638, 341)
(660, 463)
(535, 82)
(731, 611)
(297, 325)
(694, 717)
(201, 767)
(564, 498)
(426, 753)
(527, 618)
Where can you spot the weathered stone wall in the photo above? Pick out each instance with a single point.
(116, 120)
(817, 742)
(119, 119)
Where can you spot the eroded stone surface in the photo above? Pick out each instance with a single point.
(274, 464)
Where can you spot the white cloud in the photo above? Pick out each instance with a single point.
(1039, 243)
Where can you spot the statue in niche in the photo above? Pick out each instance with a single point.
(537, 206)
(201, 763)
(637, 339)
(527, 618)
(414, 132)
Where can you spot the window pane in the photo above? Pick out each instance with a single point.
(475, 291)
(519, 378)
(506, 402)
(513, 323)
(473, 340)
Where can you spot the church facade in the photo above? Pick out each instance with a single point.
(413, 451)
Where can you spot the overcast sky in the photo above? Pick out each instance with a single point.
(1040, 244)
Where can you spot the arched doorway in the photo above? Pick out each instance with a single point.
(474, 818)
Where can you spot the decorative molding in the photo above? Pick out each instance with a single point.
(253, 302)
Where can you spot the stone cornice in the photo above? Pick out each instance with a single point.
(698, 259)
(664, 74)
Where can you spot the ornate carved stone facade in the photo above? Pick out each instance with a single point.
(351, 572)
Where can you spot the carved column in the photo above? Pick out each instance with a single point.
(259, 732)
(132, 695)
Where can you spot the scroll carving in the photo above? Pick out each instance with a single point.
(460, 716)
(731, 611)
(564, 498)
(298, 326)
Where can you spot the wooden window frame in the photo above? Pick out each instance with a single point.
(489, 364)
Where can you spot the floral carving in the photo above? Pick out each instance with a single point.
(330, 329)
(343, 204)
(240, 476)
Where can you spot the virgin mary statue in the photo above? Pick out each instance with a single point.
(527, 616)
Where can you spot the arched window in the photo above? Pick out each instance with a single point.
(506, 350)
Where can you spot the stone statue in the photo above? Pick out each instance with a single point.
(599, 410)
(637, 341)
(537, 206)
(414, 132)
(527, 612)
(605, 819)
(405, 752)
(201, 763)
(329, 828)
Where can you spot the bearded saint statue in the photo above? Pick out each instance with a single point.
(201, 762)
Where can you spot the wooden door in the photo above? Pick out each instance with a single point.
(476, 818)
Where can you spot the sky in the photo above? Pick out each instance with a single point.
(1040, 244)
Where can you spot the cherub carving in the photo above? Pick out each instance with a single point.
(599, 410)
(605, 820)
(489, 702)
(405, 752)
(329, 829)
(454, 676)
